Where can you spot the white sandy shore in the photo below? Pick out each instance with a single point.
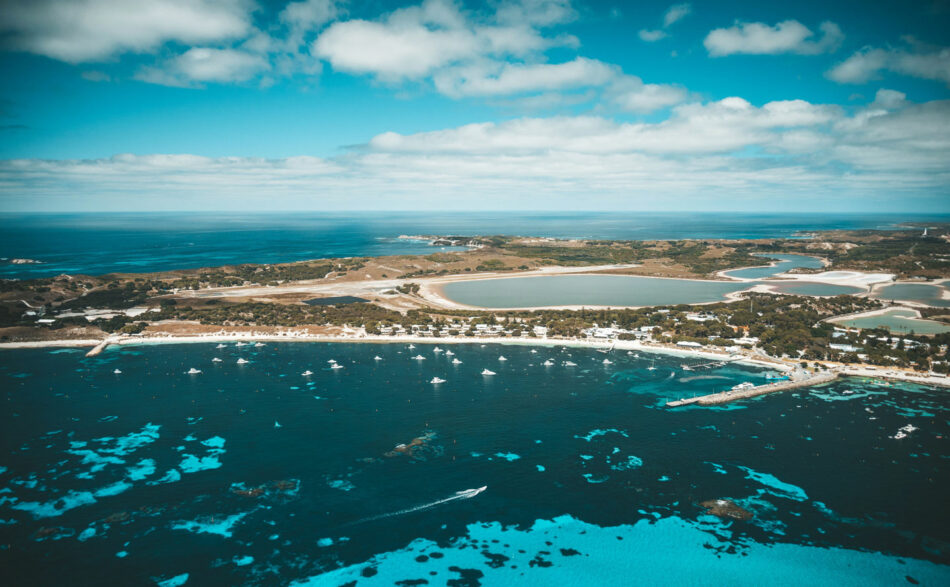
(290, 336)
(622, 345)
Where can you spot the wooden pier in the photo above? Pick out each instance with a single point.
(715, 399)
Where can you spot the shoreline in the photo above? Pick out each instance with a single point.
(873, 371)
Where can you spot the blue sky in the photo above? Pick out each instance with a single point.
(520, 104)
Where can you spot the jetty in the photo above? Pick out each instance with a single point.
(101, 346)
(715, 399)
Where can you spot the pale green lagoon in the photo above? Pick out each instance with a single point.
(811, 288)
(897, 320)
(631, 290)
(923, 293)
(587, 290)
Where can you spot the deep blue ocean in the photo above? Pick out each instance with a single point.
(257, 474)
(95, 243)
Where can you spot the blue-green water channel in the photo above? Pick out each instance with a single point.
(258, 474)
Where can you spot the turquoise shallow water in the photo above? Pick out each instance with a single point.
(257, 474)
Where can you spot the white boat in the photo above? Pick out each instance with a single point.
(904, 431)
(307, 373)
(336, 366)
(608, 362)
(220, 346)
(193, 371)
(239, 343)
(331, 361)
(502, 358)
(242, 361)
(548, 363)
(487, 372)
(449, 353)
(412, 346)
(436, 350)
(377, 358)
(216, 360)
(468, 493)
(258, 344)
(533, 351)
(117, 372)
(570, 364)
(437, 380)
(419, 358)
(652, 366)
(455, 361)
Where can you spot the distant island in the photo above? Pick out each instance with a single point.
(401, 297)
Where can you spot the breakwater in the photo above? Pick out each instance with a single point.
(732, 395)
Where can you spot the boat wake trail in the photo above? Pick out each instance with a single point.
(464, 494)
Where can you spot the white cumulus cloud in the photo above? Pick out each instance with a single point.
(200, 65)
(676, 13)
(757, 38)
(869, 63)
(79, 31)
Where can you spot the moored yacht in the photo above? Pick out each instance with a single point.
(487, 372)
(193, 371)
(242, 361)
(437, 380)
(307, 373)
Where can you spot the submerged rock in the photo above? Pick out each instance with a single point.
(116, 518)
(253, 492)
(726, 509)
